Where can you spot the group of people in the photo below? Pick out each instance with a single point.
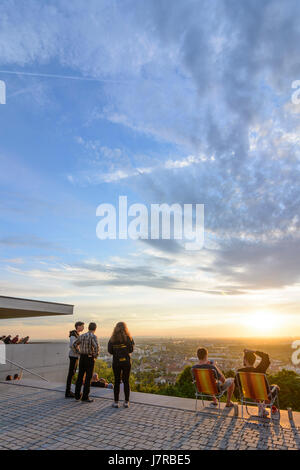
(84, 349)
(15, 340)
(228, 385)
(14, 377)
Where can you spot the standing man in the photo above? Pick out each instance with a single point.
(89, 350)
(73, 335)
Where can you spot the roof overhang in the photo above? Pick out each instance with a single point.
(12, 307)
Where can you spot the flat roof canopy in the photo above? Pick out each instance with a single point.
(12, 307)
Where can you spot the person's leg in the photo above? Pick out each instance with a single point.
(80, 377)
(230, 391)
(88, 377)
(274, 390)
(71, 373)
(117, 374)
(214, 401)
(125, 377)
(228, 385)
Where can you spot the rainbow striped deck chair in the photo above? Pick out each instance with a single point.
(255, 389)
(205, 382)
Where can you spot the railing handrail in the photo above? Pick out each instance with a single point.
(29, 371)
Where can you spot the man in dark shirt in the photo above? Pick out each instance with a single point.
(249, 361)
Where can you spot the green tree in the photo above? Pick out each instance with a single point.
(289, 383)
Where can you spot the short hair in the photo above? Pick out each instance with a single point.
(92, 326)
(79, 323)
(202, 353)
(250, 357)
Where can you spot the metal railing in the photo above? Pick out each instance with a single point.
(24, 368)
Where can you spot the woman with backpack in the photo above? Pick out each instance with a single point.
(121, 346)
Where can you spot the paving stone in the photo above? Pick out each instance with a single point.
(44, 420)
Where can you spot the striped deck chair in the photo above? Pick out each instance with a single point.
(255, 389)
(205, 382)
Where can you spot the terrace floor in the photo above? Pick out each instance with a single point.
(35, 415)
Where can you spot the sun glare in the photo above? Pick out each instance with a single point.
(263, 323)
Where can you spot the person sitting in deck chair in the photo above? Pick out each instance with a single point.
(222, 382)
(249, 359)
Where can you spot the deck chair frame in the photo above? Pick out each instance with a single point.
(202, 395)
(247, 401)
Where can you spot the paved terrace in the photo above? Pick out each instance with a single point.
(35, 415)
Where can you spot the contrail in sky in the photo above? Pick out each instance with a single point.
(69, 77)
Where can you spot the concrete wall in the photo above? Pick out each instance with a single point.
(50, 360)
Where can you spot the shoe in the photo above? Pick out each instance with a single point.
(70, 395)
(87, 400)
(126, 404)
(229, 405)
(213, 404)
(115, 405)
(78, 398)
(275, 412)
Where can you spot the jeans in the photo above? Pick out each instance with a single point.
(71, 373)
(121, 370)
(86, 366)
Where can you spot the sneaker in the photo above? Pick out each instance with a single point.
(87, 400)
(126, 404)
(70, 395)
(115, 405)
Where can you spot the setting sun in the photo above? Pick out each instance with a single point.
(263, 323)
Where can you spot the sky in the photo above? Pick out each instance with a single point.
(181, 102)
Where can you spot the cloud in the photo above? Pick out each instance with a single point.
(168, 246)
(27, 241)
(211, 80)
(260, 265)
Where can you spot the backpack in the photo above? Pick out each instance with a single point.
(120, 352)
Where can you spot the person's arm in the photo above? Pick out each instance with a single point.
(221, 377)
(110, 347)
(72, 340)
(96, 346)
(264, 363)
(75, 345)
(130, 346)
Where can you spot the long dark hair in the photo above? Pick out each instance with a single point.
(120, 334)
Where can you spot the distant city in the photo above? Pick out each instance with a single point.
(165, 358)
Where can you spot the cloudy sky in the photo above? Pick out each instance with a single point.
(164, 102)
